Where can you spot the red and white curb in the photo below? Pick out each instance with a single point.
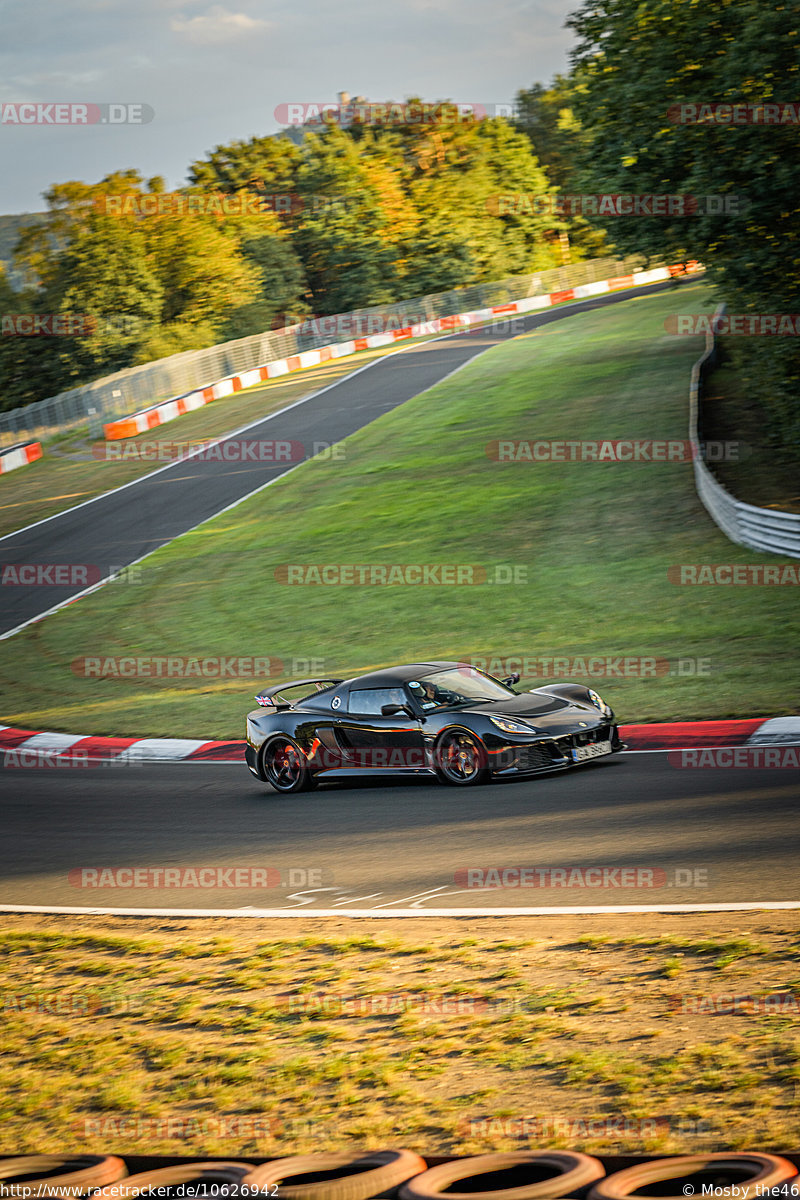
(168, 410)
(780, 730)
(23, 747)
(26, 747)
(19, 456)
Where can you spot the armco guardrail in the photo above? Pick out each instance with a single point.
(136, 388)
(758, 528)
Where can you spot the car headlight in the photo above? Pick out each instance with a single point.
(509, 726)
(600, 703)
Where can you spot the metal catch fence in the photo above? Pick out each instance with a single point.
(136, 388)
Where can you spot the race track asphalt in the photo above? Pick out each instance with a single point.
(703, 835)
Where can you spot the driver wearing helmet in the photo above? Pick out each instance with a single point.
(427, 695)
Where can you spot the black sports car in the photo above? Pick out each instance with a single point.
(437, 718)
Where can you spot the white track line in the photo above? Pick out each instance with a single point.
(225, 437)
(304, 912)
(95, 586)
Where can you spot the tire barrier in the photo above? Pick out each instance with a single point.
(753, 1175)
(336, 1176)
(367, 1174)
(565, 1172)
(204, 1173)
(83, 1171)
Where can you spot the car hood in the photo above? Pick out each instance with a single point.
(551, 714)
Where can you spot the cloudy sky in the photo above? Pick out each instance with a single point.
(215, 72)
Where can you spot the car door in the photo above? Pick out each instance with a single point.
(375, 742)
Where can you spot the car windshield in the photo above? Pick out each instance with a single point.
(457, 685)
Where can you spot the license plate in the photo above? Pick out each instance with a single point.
(593, 750)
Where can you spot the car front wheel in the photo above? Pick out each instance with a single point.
(285, 766)
(461, 759)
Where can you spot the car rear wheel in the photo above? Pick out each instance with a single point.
(461, 758)
(285, 766)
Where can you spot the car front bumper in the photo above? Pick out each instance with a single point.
(556, 753)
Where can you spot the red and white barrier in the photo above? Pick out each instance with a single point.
(19, 456)
(170, 409)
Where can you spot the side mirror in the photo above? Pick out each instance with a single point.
(392, 710)
(512, 678)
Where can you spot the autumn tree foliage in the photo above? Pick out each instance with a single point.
(268, 231)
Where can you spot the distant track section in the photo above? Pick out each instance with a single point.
(121, 527)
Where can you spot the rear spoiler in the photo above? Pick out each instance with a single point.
(265, 698)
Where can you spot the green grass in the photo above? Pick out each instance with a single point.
(205, 1047)
(596, 540)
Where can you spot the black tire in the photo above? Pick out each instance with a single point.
(568, 1172)
(79, 1171)
(230, 1173)
(285, 767)
(460, 759)
(340, 1176)
(755, 1174)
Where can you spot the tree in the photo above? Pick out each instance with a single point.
(280, 282)
(376, 214)
(95, 270)
(262, 165)
(21, 358)
(153, 278)
(546, 116)
(638, 63)
(340, 233)
(460, 199)
(453, 173)
(199, 263)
